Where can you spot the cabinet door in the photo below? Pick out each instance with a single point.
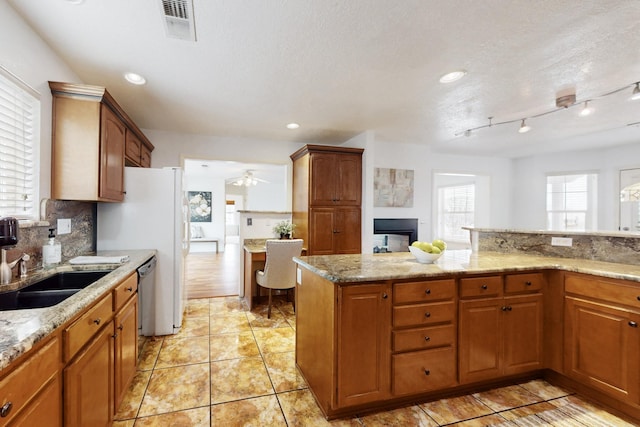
(480, 333)
(132, 150)
(601, 347)
(112, 142)
(45, 409)
(364, 340)
(346, 231)
(321, 235)
(126, 346)
(323, 179)
(88, 383)
(523, 322)
(349, 182)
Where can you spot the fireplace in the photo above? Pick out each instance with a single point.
(394, 234)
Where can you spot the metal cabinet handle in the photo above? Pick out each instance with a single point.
(503, 308)
(633, 324)
(527, 283)
(130, 289)
(427, 291)
(121, 327)
(427, 372)
(509, 308)
(638, 297)
(385, 296)
(97, 321)
(427, 338)
(114, 336)
(6, 408)
(427, 314)
(485, 287)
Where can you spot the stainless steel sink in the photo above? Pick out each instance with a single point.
(49, 291)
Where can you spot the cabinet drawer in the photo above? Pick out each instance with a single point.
(424, 338)
(81, 331)
(26, 380)
(490, 286)
(603, 289)
(124, 290)
(424, 291)
(423, 314)
(426, 370)
(514, 283)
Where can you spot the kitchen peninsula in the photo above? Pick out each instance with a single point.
(382, 330)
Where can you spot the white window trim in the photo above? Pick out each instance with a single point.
(439, 213)
(36, 144)
(591, 213)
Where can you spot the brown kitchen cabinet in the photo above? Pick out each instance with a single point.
(327, 198)
(31, 395)
(92, 140)
(126, 349)
(602, 337)
(424, 336)
(501, 326)
(363, 351)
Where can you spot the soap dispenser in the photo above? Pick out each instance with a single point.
(52, 251)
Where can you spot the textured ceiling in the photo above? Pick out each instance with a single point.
(343, 67)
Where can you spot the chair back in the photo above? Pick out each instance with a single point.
(279, 269)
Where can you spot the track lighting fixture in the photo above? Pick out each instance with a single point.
(562, 103)
(524, 128)
(635, 95)
(586, 110)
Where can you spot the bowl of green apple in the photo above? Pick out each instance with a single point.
(427, 252)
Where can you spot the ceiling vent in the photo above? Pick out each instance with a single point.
(178, 19)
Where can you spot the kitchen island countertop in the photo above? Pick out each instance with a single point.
(402, 265)
(22, 329)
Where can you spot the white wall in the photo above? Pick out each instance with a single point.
(529, 182)
(26, 55)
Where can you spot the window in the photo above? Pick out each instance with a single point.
(456, 210)
(19, 144)
(572, 202)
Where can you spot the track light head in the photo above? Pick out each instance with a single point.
(524, 128)
(635, 95)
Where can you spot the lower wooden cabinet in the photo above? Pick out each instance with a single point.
(89, 382)
(126, 348)
(31, 395)
(363, 344)
(500, 336)
(422, 371)
(334, 231)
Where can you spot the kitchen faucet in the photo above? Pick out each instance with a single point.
(6, 267)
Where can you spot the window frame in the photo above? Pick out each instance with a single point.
(441, 214)
(590, 211)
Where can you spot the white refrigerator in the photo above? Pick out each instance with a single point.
(153, 215)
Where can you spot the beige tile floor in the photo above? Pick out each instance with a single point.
(232, 367)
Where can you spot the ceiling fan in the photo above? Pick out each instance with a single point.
(246, 180)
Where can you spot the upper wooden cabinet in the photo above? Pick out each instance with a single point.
(327, 196)
(92, 140)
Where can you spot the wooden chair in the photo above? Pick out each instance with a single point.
(279, 268)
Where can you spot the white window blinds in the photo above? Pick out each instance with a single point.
(19, 143)
(572, 202)
(456, 209)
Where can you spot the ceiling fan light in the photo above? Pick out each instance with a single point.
(635, 95)
(524, 128)
(586, 110)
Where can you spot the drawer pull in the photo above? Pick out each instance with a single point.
(427, 314)
(121, 327)
(638, 297)
(633, 324)
(427, 291)
(509, 308)
(527, 283)
(504, 308)
(385, 296)
(114, 336)
(6, 408)
(485, 287)
(97, 321)
(130, 289)
(427, 372)
(427, 338)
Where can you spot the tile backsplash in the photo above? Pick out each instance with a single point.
(81, 240)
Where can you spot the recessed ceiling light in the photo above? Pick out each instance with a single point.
(293, 126)
(452, 76)
(75, 1)
(135, 79)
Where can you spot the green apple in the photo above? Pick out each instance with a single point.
(426, 247)
(436, 250)
(439, 244)
(416, 244)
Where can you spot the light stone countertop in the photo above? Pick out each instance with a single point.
(22, 329)
(402, 265)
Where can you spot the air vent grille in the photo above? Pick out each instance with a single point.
(178, 19)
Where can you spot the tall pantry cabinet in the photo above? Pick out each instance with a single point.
(327, 198)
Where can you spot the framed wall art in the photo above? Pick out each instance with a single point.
(200, 206)
(393, 188)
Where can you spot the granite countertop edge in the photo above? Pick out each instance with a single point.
(20, 330)
(359, 268)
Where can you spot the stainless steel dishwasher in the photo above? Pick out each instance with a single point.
(146, 296)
